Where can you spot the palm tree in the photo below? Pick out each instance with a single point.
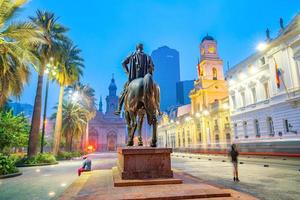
(87, 100)
(53, 34)
(70, 66)
(16, 41)
(74, 118)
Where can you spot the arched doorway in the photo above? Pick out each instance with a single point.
(93, 138)
(111, 141)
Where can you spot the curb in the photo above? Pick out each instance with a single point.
(11, 175)
(37, 165)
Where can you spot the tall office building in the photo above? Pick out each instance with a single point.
(183, 89)
(166, 74)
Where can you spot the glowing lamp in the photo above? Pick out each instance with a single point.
(261, 46)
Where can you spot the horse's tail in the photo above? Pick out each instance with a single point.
(148, 89)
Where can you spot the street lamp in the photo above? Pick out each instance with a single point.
(50, 71)
(261, 46)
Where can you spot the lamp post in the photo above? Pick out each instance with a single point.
(47, 71)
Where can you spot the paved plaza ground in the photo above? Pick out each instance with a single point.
(280, 180)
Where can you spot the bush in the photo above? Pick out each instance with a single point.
(41, 158)
(7, 165)
(65, 155)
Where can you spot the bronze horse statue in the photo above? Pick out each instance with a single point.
(142, 97)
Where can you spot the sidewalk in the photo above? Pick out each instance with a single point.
(98, 184)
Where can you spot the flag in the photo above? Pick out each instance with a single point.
(277, 74)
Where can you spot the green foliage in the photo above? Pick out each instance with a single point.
(65, 155)
(41, 158)
(13, 130)
(7, 165)
(16, 42)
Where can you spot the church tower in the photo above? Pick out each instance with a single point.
(112, 98)
(210, 85)
(210, 66)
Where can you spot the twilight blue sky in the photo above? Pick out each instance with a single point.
(107, 32)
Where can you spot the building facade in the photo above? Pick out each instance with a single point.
(264, 90)
(167, 74)
(205, 123)
(107, 131)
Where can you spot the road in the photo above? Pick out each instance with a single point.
(280, 180)
(264, 178)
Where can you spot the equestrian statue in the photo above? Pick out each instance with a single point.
(140, 96)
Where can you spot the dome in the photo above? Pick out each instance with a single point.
(208, 37)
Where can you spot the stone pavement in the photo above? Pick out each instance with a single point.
(98, 184)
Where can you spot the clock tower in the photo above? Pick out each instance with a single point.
(210, 66)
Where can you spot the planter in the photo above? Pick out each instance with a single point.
(36, 165)
(10, 175)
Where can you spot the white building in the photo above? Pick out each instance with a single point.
(261, 110)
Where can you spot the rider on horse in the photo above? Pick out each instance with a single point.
(140, 64)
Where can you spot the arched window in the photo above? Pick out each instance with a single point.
(215, 73)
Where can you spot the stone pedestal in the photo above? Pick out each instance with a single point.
(144, 162)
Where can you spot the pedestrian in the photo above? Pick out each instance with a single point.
(86, 166)
(234, 159)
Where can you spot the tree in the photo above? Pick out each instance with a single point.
(13, 130)
(86, 98)
(74, 118)
(16, 42)
(70, 66)
(53, 34)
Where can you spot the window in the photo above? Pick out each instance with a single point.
(256, 127)
(235, 130)
(266, 89)
(262, 60)
(228, 138)
(215, 74)
(179, 139)
(183, 138)
(245, 129)
(216, 125)
(217, 140)
(188, 137)
(270, 126)
(243, 99)
(286, 126)
(253, 91)
(199, 135)
(233, 101)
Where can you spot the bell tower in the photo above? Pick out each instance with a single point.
(210, 66)
(112, 98)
